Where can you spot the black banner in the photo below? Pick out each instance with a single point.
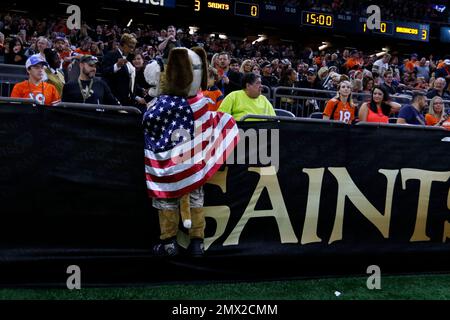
(310, 198)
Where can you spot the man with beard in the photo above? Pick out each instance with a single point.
(88, 89)
(413, 113)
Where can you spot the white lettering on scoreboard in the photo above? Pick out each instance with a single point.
(152, 2)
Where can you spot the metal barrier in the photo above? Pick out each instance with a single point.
(77, 106)
(303, 102)
(403, 126)
(17, 100)
(99, 108)
(291, 119)
(9, 76)
(332, 122)
(267, 92)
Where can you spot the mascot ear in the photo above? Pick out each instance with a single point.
(179, 74)
(152, 74)
(203, 56)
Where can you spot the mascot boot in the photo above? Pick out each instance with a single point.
(168, 223)
(193, 220)
(197, 232)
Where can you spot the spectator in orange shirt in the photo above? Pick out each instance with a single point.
(63, 52)
(410, 65)
(341, 108)
(213, 92)
(35, 87)
(436, 115)
(85, 48)
(353, 62)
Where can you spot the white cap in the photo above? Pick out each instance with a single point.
(34, 60)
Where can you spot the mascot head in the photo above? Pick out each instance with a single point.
(184, 74)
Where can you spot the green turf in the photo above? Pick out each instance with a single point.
(392, 287)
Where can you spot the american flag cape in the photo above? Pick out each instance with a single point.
(185, 144)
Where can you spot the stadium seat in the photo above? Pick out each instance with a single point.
(316, 115)
(284, 113)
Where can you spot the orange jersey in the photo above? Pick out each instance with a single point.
(216, 96)
(82, 52)
(43, 93)
(351, 63)
(409, 66)
(63, 55)
(342, 112)
(431, 120)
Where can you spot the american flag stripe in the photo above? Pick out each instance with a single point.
(194, 148)
(179, 190)
(185, 170)
(221, 145)
(173, 172)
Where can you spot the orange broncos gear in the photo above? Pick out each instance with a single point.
(336, 110)
(43, 93)
(431, 120)
(216, 96)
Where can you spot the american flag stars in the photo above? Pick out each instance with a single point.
(170, 113)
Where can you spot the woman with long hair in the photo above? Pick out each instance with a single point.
(341, 107)
(139, 63)
(15, 53)
(436, 115)
(246, 66)
(368, 84)
(289, 77)
(379, 107)
(256, 70)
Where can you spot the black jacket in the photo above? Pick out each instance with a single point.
(119, 82)
(101, 94)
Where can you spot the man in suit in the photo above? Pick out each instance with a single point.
(119, 73)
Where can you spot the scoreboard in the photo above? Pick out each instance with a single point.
(266, 11)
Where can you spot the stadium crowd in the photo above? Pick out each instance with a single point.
(281, 64)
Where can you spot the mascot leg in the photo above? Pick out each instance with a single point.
(168, 223)
(197, 232)
(185, 210)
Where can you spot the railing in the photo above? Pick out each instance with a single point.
(9, 76)
(99, 108)
(332, 122)
(267, 92)
(303, 102)
(77, 106)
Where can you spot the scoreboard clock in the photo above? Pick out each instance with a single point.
(317, 19)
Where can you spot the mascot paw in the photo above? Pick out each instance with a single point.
(170, 249)
(187, 224)
(196, 248)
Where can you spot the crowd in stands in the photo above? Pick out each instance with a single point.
(282, 64)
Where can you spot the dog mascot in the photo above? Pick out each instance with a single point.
(185, 145)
